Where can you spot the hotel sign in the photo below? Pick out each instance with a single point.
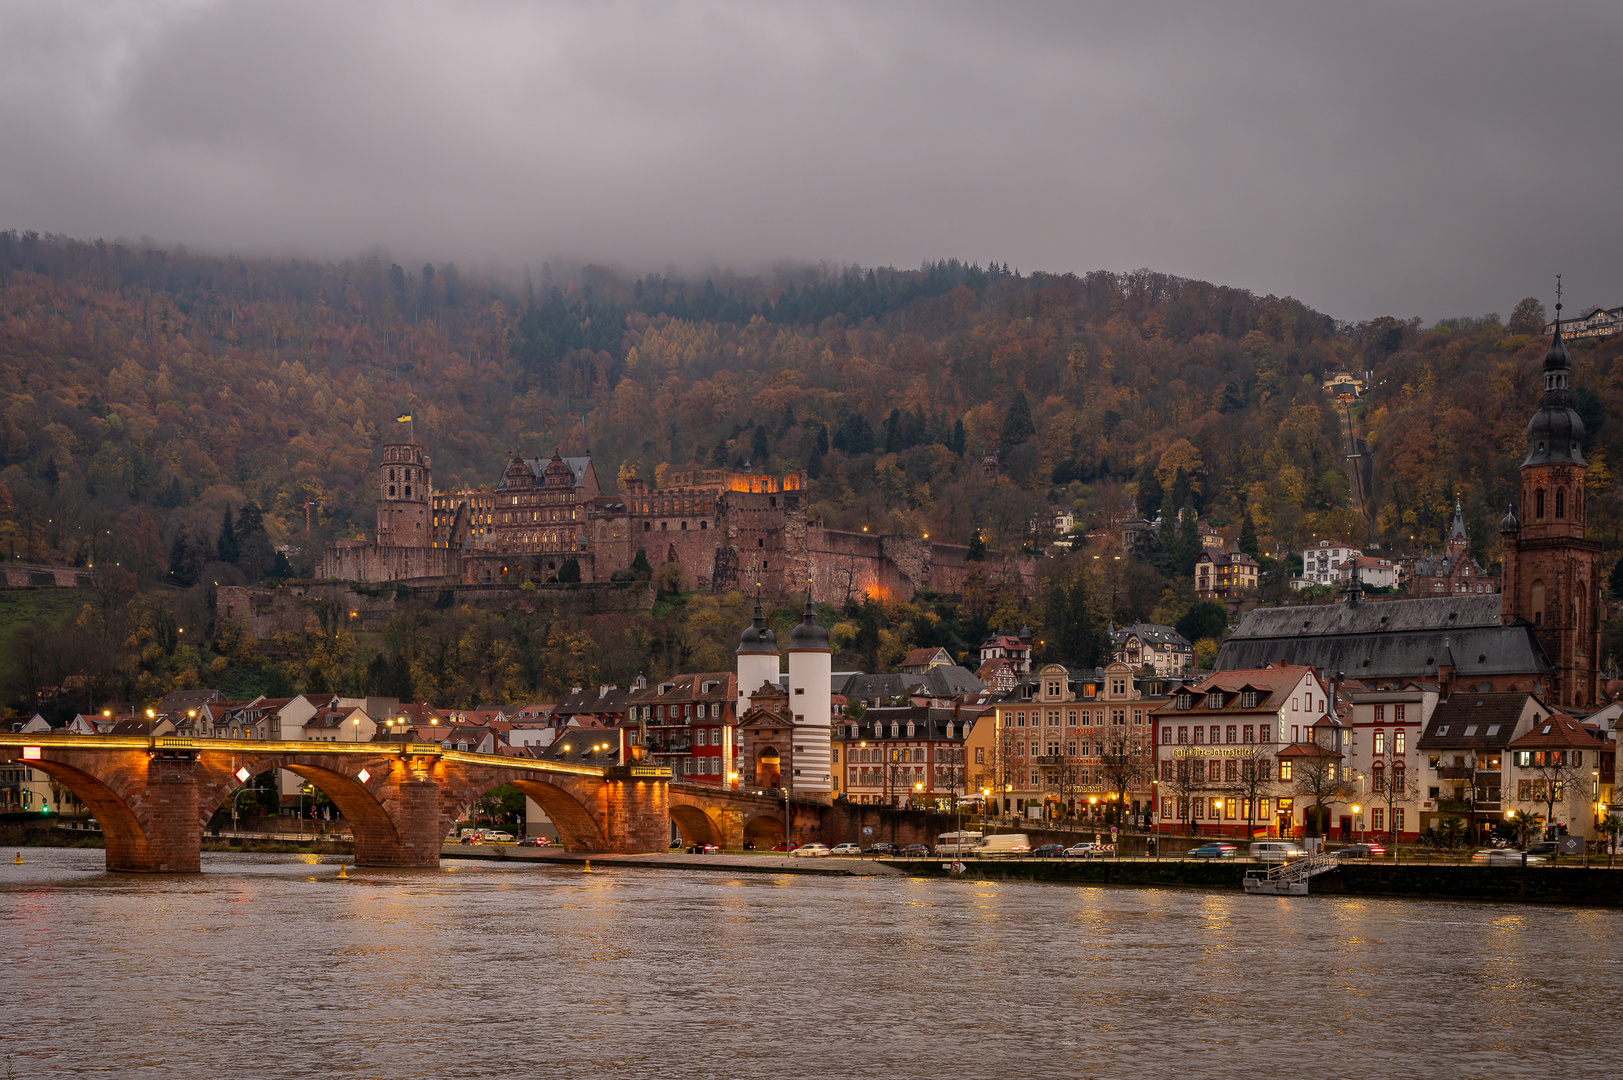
(1216, 751)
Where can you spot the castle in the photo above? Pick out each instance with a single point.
(724, 529)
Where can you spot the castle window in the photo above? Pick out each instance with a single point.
(408, 491)
(1538, 503)
(391, 491)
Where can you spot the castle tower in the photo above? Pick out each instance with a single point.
(1551, 569)
(757, 659)
(405, 488)
(811, 699)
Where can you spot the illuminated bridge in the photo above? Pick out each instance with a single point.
(153, 796)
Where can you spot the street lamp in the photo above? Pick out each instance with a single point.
(357, 723)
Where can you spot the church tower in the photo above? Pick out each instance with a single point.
(405, 488)
(1551, 569)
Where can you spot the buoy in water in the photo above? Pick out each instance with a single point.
(18, 861)
(588, 869)
(341, 875)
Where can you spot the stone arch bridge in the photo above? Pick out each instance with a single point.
(153, 796)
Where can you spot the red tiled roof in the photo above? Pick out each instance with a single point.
(1560, 731)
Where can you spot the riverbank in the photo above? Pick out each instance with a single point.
(1576, 885)
(677, 860)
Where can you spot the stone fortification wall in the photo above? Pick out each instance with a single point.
(357, 560)
(44, 577)
(294, 609)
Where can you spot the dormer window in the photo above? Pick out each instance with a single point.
(910, 729)
(1214, 700)
(1249, 699)
(1186, 701)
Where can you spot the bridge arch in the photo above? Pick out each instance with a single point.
(697, 826)
(579, 827)
(764, 829)
(128, 845)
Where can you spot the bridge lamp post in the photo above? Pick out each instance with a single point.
(357, 723)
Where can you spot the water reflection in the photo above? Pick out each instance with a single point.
(269, 964)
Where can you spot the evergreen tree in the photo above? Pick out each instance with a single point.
(759, 449)
(317, 682)
(977, 548)
(399, 685)
(640, 568)
(569, 572)
(821, 446)
(1017, 423)
(1208, 619)
(893, 431)
(1248, 536)
(227, 547)
(814, 466)
(1616, 583)
(1073, 629)
(958, 436)
(1188, 549)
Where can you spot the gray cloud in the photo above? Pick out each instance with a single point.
(1368, 158)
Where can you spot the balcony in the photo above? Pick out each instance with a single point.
(1454, 772)
(1049, 759)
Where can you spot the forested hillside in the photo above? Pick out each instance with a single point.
(183, 415)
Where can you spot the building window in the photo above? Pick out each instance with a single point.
(1397, 742)
(1166, 736)
(1183, 735)
(1284, 768)
(1250, 733)
(1233, 731)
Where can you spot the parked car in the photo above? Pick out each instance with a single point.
(1361, 851)
(704, 849)
(536, 841)
(472, 838)
(812, 850)
(884, 849)
(916, 851)
(845, 849)
(496, 836)
(1212, 851)
(1493, 857)
(1048, 851)
(1087, 849)
(1544, 847)
(782, 847)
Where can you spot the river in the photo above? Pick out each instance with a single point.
(267, 966)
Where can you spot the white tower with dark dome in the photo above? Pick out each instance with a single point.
(811, 698)
(758, 659)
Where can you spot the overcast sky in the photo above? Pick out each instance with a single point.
(1367, 158)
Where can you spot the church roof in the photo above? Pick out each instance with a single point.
(1388, 640)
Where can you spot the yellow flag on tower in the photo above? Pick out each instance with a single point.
(403, 418)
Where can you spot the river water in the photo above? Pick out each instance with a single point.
(266, 965)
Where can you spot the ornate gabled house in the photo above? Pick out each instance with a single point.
(1454, 572)
(1552, 569)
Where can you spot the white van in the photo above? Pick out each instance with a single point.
(957, 843)
(1275, 851)
(1004, 846)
